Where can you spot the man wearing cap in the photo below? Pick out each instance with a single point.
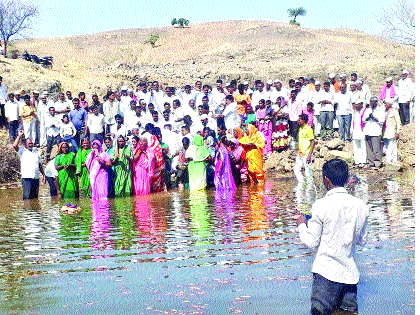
(125, 100)
(3, 100)
(334, 82)
(389, 93)
(406, 96)
(374, 118)
(11, 111)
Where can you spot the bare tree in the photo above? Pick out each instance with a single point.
(16, 18)
(398, 22)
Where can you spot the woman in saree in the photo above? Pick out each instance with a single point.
(81, 169)
(120, 159)
(98, 162)
(223, 179)
(254, 145)
(143, 166)
(265, 125)
(197, 154)
(66, 167)
(158, 179)
(238, 161)
(281, 129)
(109, 148)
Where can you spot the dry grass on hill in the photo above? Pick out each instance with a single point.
(227, 50)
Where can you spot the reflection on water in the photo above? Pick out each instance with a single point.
(206, 252)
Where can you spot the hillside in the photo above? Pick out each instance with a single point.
(237, 49)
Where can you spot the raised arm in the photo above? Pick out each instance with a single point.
(17, 140)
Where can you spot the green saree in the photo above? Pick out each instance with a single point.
(67, 179)
(123, 175)
(83, 171)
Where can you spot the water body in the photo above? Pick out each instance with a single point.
(201, 253)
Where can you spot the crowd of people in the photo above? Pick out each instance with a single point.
(136, 140)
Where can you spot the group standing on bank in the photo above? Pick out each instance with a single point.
(145, 140)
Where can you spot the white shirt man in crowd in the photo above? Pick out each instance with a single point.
(326, 115)
(258, 94)
(3, 100)
(11, 111)
(111, 109)
(374, 118)
(344, 111)
(30, 166)
(335, 271)
(406, 95)
(125, 100)
(52, 123)
(357, 127)
(96, 125)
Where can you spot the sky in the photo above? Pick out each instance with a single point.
(77, 17)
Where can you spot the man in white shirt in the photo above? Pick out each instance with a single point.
(205, 93)
(125, 100)
(344, 111)
(277, 91)
(156, 96)
(230, 114)
(61, 106)
(52, 123)
(326, 115)
(96, 125)
(357, 127)
(30, 167)
(338, 224)
(374, 118)
(218, 95)
(111, 109)
(11, 111)
(390, 93)
(168, 97)
(186, 95)
(314, 98)
(142, 93)
(258, 94)
(3, 100)
(406, 95)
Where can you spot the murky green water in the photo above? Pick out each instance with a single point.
(202, 253)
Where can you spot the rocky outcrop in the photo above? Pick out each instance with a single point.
(406, 145)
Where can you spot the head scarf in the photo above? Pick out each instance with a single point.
(254, 137)
(201, 152)
(99, 145)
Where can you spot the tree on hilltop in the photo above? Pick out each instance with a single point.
(294, 13)
(152, 40)
(398, 22)
(16, 18)
(180, 22)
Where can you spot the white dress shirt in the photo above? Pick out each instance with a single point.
(326, 96)
(11, 110)
(52, 123)
(339, 222)
(373, 127)
(343, 101)
(406, 90)
(95, 123)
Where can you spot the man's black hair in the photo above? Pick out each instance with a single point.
(230, 97)
(337, 171)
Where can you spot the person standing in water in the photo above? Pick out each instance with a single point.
(339, 222)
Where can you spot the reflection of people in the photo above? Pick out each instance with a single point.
(199, 215)
(100, 231)
(339, 223)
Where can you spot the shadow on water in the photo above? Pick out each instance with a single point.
(206, 252)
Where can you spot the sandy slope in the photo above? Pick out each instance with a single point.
(237, 49)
